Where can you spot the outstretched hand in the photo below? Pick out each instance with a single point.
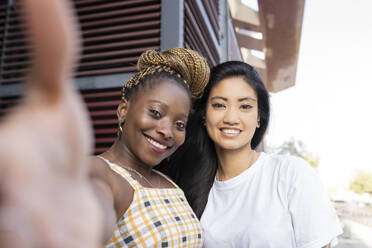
(46, 199)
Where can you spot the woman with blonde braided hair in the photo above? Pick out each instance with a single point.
(53, 193)
(149, 209)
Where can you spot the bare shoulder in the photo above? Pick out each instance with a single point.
(98, 168)
(121, 190)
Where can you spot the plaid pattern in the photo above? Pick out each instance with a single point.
(156, 218)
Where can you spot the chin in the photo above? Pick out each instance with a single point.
(233, 146)
(153, 161)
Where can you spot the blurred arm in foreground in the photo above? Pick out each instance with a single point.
(46, 198)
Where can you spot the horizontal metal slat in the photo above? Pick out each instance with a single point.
(85, 65)
(10, 64)
(81, 2)
(124, 36)
(126, 52)
(121, 28)
(17, 48)
(131, 11)
(117, 20)
(14, 80)
(105, 140)
(14, 72)
(246, 25)
(106, 131)
(106, 71)
(105, 122)
(99, 150)
(249, 42)
(8, 100)
(20, 56)
(122, 44)
(110, 5)
(115, 93)
(17, 38)
(95, 114)
(103, 104)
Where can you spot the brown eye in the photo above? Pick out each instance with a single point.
(180, 125)
(154, 113)
(218, 105)
(246, 106)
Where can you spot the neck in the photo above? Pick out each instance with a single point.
(231, 163)
(119, 153)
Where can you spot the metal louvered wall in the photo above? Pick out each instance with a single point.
(14, 49)
(201, 28)
(115, 33)
(102, 105)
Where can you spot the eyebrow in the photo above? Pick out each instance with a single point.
(239, 100)
(182, 115)
(247, 98)
(157, 101)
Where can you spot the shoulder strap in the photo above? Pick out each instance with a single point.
(122, 172)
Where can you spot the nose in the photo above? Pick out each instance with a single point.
(231, 116)
(165, 129)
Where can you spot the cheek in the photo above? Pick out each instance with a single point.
(211, 130)
(212, 117)
(143, 121)
(179, 139)
(212, 120)
(252, 119)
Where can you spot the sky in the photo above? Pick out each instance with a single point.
(330, 106)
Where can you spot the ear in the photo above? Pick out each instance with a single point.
(258, 122)
(122, 110)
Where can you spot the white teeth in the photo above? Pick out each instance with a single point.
(156, 144)
(230, 131)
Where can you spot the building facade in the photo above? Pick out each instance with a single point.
(116, 32)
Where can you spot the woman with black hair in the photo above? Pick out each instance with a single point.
(247, 198)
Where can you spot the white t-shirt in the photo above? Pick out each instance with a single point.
(278, 202)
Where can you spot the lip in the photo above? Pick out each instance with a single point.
(232, 134)
(156, 148)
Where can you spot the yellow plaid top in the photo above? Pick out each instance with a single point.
(157, 217)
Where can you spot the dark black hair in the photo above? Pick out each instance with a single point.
(194, 165)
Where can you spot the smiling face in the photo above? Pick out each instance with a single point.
(155, 121)
(232, 114)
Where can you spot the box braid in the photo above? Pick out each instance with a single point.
(181, 64)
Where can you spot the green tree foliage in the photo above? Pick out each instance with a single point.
(297, 148)
(362, 183)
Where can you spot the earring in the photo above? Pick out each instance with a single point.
(258, 124)
(120, 128)
(203, 120)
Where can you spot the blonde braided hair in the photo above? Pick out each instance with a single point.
(183, 63)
